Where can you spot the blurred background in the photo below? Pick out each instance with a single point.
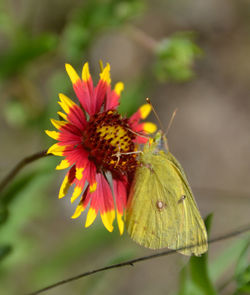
(190, 55)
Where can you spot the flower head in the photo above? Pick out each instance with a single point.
(95, 139)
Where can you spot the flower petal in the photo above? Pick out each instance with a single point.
(63, 116)
(78, 211)
(83, 89)
(112, 100)
(56, 149)
(83, 204)
(119, 87)
(91, 216)
(68, 180)
(58, 124)
(83, 174)
(101, 199)
(74, 114)
(53, 134)
(85, 72)
(142, 113)
(63, 165)
(120, 193)
(76, 154)
(72, 74)
(146, 127)
(66, 103)
(102, 88)
(106, 202)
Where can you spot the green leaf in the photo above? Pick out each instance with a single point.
(93, 17)
(4, 213)
(5, 250)
(25, 50)
(175, 57)
(194, 277)
(225, 259)
(242, 272)
(199, 269)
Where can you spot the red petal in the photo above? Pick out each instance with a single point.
(120, 193)
(100, 94)
(84, 92)
(77, 118)
(112, 100)
(76, 154)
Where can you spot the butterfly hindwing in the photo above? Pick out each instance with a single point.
(161, 209)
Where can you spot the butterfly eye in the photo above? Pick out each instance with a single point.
(160, 205)
(182, 199)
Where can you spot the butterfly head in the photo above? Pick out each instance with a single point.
(157, 144)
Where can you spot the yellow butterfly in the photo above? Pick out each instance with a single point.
(161, 210)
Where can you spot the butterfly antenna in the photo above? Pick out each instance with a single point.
(171, 121)
(156, 115)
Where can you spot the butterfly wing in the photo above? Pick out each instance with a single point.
(161, 209)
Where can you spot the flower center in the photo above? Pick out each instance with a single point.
(109, 141)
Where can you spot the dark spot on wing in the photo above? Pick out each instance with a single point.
(160, 205)
(181, 199)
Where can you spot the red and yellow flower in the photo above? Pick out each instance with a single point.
(95, 141)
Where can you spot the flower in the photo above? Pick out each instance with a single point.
(96, 140)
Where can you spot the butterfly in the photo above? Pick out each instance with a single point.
(161, 209)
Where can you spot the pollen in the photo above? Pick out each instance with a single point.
(110, 143)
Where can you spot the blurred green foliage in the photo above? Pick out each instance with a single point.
(194, 278)
(175, 57)
(25, 50)
(94, 17)
(242, 270)
(31, 76)
(200, 276)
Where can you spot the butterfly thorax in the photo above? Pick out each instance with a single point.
(154, 147)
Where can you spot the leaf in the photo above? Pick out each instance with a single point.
(176, 56)
(225, 259)
(194, 277)
(24, 51)
(242, 271)
(4, 213)
(5, 250)
(199, 269)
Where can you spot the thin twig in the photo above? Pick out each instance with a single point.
(133, 261)
(142, 38)
(11, 175)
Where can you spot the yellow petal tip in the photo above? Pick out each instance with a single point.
(72, 73)
(107, 219)
(85, 72)
(91, 216)
(56, 150)
(149, 127)
(63, 165)
(145, 110)
(53, 134)
(76, 193)
(78, 211)
(120, 223)
(105, 74)
(119, 87)
(79, 172)
(93, 187)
